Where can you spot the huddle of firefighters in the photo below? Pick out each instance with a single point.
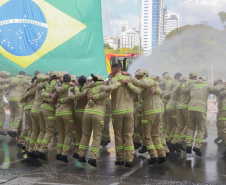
(159, 116)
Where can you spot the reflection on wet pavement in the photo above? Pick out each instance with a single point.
(211, 168)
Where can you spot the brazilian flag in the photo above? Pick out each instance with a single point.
(50, 35)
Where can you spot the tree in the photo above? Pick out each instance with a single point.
(107, 46)
(191, 48)
(138, 49)
(222, 16)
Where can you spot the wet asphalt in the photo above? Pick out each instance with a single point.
(17, 168)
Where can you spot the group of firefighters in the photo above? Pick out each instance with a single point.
(159, 115)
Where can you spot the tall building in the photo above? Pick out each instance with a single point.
(129, 38)
(152, 24)
(172, 23)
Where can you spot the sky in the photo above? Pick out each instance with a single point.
(126, 12)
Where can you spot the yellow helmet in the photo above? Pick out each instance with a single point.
(58, 74)
(41, 77)
(100, 78)
(3, 73)
(193, 74)
(142, 72)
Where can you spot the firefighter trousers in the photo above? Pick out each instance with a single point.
(78, 131)
(47, 116)
(151, 125)
(16, 113)
(64, 127)
(137, 128)
(35, 130)
(123, 125)
(171, 124)
(106, 131)
(196, 120)
(91, 123)
(222, 125)
(2, 116)
(182, 126)
(26, 133)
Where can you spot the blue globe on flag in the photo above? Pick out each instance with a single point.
(23, 27)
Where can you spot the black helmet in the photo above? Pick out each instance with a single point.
(66, 78)
(82, 80)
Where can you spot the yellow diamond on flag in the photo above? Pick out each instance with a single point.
(61, 28)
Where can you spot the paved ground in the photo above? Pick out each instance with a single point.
(16, 168)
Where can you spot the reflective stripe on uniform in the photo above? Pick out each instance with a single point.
(129, 148)
(123, 111)
(51, 118)
(150, 147)
(94, 112)
(119, 147)
(35, 110)
(154, 111)
(83, 147)
(63, 113)
(170, 107)
(222, 118)
(47, 107)
(199, 109)
(182, 107)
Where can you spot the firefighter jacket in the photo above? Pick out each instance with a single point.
(122, 97)
(64, 105)
(96, 106)
(80, 102)
(151, 103)
(16, 92)
(221, 98)
(173, 96)
(2, 90)
(38, 97)
(199, 92)
(28, 99)
(48, 89)
(167, 86)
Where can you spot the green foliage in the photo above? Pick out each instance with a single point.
(191, 48)
(107, 46)
(222, 16)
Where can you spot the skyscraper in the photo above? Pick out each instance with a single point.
(152, 21)
(172, 23)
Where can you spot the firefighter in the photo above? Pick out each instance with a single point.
(47, 112)
(81, 103)
(122, 118)
(93, 120)
(27, 100)
(18, 86)
(152, 116)
(3, 75)
(218, 81)
(37, 132)
(106, 139)
(64, 119)
(221, 118)
(197, 108)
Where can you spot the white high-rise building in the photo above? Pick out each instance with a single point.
(152, 25)
(172, 23)
(129, 38)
